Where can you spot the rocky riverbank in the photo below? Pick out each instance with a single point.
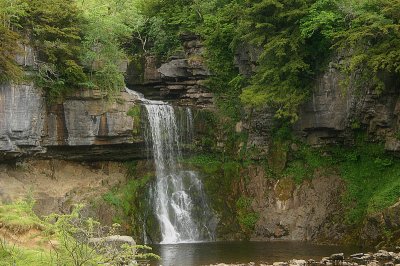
(380, 258)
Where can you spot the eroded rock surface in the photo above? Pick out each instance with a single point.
(57, 185)
(85, 122)
(180, 79)
(295, 212)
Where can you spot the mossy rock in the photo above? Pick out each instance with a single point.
(277, 156)
(284, 188)
(136, 113)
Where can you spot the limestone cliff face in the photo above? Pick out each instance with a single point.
(333, 111)
(180, 79)
(22, 112)
(82, 127)
(295, 212)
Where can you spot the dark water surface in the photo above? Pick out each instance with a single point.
(195, 254)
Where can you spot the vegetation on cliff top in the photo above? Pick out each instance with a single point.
(83, 44)
(294, 39)
(78, 44)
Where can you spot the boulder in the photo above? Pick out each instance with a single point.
(280, 263)
(114, 241)
(373, 263)
(337, 256)
(382, 255)
(357, 255)
(295, 262)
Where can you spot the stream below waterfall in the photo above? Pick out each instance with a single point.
(196, 254)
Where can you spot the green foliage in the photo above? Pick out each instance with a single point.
(110, 25)
(11, 40)
(72, 233)
(132, 203)
(304, 162)
(55, 29)
(372, 179)
(208, 163)
(84, 43)
(79, 44)
(165, 21)
(19, 217)
(372, 35)
(131, 169)
(296, 39)
(243, 203)
(219, 32)
(247, 218)
(83, 241)
(12, 255)
(286, 63)
(125, 196)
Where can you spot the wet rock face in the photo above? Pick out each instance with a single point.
(329, 106)
(22, 114)
(290, 212)
(327, 114)
(83, 127)
(376, 226)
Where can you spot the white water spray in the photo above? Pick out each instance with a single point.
(180, 203)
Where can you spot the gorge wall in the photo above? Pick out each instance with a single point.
(87, 128)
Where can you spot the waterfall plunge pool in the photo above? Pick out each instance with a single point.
(182, 208)
(206, 253)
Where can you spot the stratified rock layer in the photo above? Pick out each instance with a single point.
(181, 79)
(83, 127)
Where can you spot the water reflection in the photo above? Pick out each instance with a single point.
(195, 254)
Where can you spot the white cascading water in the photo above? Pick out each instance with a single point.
(180, 203)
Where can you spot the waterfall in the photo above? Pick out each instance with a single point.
(180, 203)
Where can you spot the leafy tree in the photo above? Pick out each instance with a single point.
(283, 76)
(110, 25)
(371, 39)
(83, 241)
(55, 29)
(298, 38)
(10, 13)
(219, 31)
(166, 20)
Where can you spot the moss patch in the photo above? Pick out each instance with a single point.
(132, 203)
(221, 181)
(246, 216)
(136, 113)
(19, 217)
(277, 156)
(284, 188)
